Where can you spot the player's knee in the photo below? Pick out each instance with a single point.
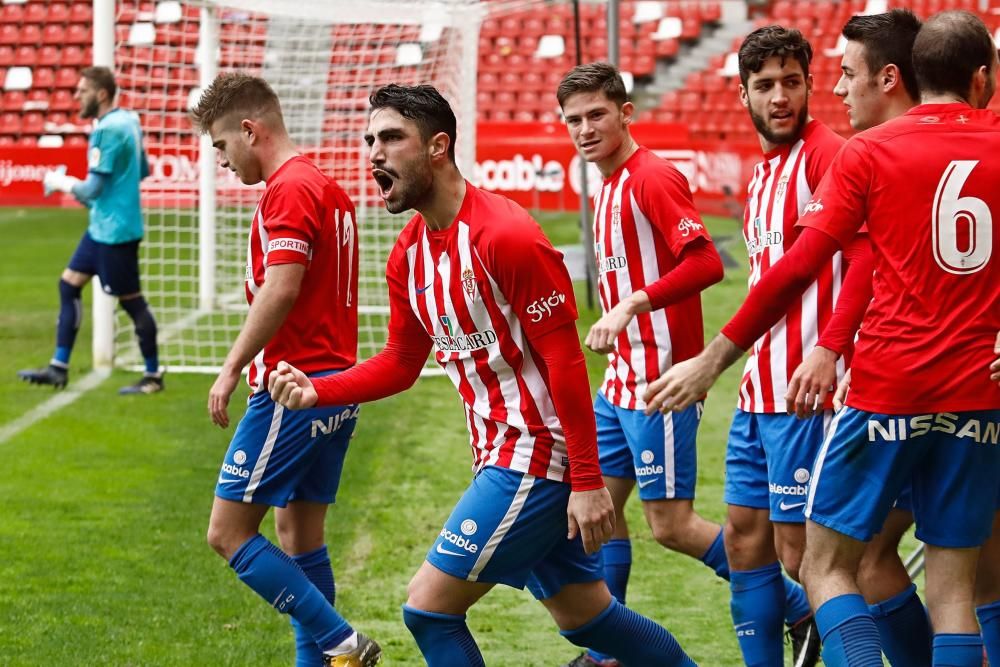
(69, 291)
(216, 539)
(142, 318)
(791, 560)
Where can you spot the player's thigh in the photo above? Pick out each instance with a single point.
(300, 526)
(746, 464)
(273, 450)
(988, 572)
(858, 474)
(791, 445)
(960, 468)
(612, 445)
(575, 605)
(504, 524)
(83, 263)
(748, 538)
(118, 268)
(663, 449)
(432, 590)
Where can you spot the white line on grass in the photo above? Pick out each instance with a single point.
(57, 402)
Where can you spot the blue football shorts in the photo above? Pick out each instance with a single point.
(658, 451)
(116, 264)
(768, 461)
(510, 528)
(279, 455)
(951, 461)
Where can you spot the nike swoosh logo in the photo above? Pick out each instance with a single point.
(421, 290)
(223, 480)
(643, 485)
(740, 625)
(442, 550)
(785, 508)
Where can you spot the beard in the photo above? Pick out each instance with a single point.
(411, 194)
(89, 109)
(786, 137)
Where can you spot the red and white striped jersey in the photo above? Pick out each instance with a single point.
(644, 216)
(480, 289)
(304, 217)
(778, 193)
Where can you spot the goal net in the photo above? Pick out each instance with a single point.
(323, 59)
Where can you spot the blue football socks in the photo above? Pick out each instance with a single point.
(958, 650)
(850, 638)
(273, 575)
(68, 324)
(989, 624)
(630, 637)
(904, 629)
(617, 557)
(444, 639)
(317, 568)
(757, 602)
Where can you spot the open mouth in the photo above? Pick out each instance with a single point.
(384, 180)
(781, 115)
(590, 143)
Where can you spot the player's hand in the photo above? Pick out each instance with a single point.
(842, 389)
(52, 180)
(601, 337)
(811, 382)
(995, 366)
(682, 385)
(291, 388)
(591, 515)
(218, 396)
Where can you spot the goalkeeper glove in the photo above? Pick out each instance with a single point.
(56, 180)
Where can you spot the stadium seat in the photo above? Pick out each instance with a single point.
(18, 78)
(57, 13)
(32, 123)
(10, 123)
(50, 56)
(10, 34)
(53, 34)
(81, 12)
(50, 141)
(550, 46)
(6, 56)
(13, 100)
(30, 33)
(12, 14)
(44, 77)
(72, 56)
(78, 34)
(28, 141)
(76, 140)
(669, 27)
(647, 11)
(66, 77)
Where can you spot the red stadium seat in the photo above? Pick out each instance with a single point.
(26, 56)
(81, 12)
(78, 34)
(44, 77)
(10, 123)
(30, 33)
(10, 34)
(62, 100)
(6, 140)
(73, 56)
(36, 12)
(13, 100)
(67, 77)
(49, 56)
(33, 123)
(27, 141)
(76, 140)
(6, 56)
(53, 33)
(12, 13)
(58, 13)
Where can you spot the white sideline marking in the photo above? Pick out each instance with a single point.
(57, 402)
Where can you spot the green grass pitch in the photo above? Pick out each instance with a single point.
(103, 558)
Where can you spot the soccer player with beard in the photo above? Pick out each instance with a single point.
(922, 407)
(473, 277)
(302, 287)
(770, 452)
(109, 249)
(654, 258)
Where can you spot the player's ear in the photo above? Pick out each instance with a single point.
(248, 129)
(628, 112)
(744, 96)
(439, 146)
(889, 77)
(809, 84)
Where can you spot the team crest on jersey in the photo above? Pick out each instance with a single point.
(469, 282)
(616, 216)
(782, 186)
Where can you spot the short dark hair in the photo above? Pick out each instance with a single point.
(888, 40)
(424, 105)
(949, 49)
(231, 92)
(769, 42)
(103, 78)
(591, 78)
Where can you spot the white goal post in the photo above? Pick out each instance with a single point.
(323, 58)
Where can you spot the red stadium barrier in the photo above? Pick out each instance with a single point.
(532, 163)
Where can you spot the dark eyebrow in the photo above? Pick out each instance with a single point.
(218, 144)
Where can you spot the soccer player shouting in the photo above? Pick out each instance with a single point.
(301, 283)
(109, 249)
(654, 258)
(922, 406)
(473, 277)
